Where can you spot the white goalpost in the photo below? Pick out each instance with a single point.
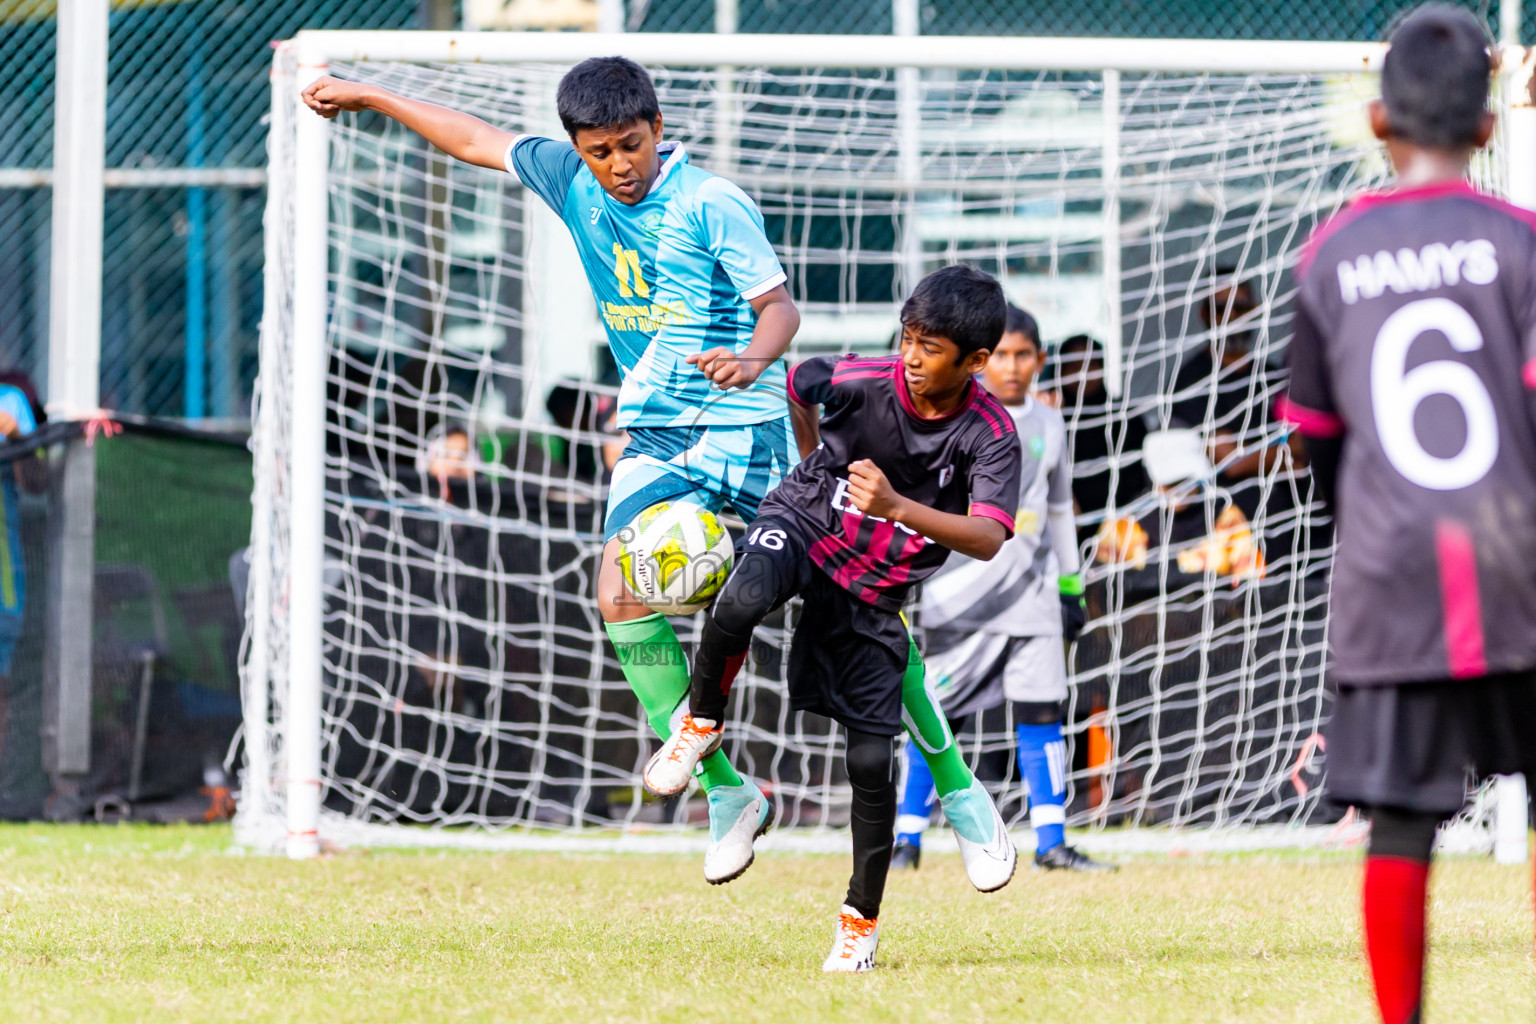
(424, 662)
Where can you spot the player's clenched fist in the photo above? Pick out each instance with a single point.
(329, 96)
(871, 492)
(725, 368)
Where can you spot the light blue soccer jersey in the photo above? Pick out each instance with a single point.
(673, 275)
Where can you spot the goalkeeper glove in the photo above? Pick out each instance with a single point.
(1074, 608)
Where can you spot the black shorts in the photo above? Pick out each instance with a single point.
(847, 657)
(1416, 746)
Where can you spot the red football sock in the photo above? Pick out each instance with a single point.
(1395, 889)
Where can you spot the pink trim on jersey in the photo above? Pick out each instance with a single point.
(993, 512)
(1312, 422)
(789, 385)
(989, 409)
(1529, 374)
(843, 378)
(1460, 602)
(905, 396)
(1368, 201)
(853, 368)
(1520, 213)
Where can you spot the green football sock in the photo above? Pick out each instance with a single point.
(925, 721)
(657, 670)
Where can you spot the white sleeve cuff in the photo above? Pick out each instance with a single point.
(507, 158)
(764, 287)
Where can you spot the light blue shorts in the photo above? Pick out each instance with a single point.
(710, 466)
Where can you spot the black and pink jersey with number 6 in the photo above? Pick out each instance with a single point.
(965, 462)
(1414, 342)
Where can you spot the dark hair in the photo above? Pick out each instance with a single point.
(1434, 80)
(605, 92)
(1089, 345)
(1020, 322)
(959, 303)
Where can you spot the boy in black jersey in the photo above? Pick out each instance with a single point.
(915, 460)
(1411, 372)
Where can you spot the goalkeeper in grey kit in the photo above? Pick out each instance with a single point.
(994, 629)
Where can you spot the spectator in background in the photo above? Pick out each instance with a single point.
(20, 414)
(447, 457)
(1215, 385)
(1105, 443)
(1226, 391)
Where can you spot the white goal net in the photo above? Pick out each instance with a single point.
(465, 686)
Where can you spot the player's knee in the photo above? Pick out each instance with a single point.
(747, 597)
(614, 604)
(1033, 712)
(1402, 833)
(871, 760)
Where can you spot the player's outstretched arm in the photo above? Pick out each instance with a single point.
(871, 493)
(462, 136)
(777, 321)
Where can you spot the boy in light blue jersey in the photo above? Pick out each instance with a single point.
(675, 275)
(693, 301)
(692, 298)
(16, 421)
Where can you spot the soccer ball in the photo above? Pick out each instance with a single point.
(675, 557)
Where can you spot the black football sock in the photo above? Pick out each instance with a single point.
(715, 665)
(871, 762)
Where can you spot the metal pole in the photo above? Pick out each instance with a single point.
(1509, 21)
(439, 170)
(909, 112)
(194, 379)
(725, 94)
(984, 53)
(306, 538)
(74, 360)
(1114, 362)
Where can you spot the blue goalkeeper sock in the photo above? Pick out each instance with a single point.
(917, 797)
(1043, 763)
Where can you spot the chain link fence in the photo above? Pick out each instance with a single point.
(187, 98)
(186, 107)
(1180, 19)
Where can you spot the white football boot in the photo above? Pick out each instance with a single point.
(853, 949)
(985, 846)
(670, 768)
(737, 816)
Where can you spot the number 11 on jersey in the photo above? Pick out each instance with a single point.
(626, 267)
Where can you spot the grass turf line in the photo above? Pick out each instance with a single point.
(128, 923)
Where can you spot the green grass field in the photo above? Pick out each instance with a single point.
(120, 923)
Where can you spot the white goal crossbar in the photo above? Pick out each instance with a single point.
(303, 488)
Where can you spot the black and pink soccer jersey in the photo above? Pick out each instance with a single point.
(966, 462)
(1414, 342)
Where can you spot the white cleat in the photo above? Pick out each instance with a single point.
(985, 847)
(737, 816)
(854, 948)
(670, 768)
